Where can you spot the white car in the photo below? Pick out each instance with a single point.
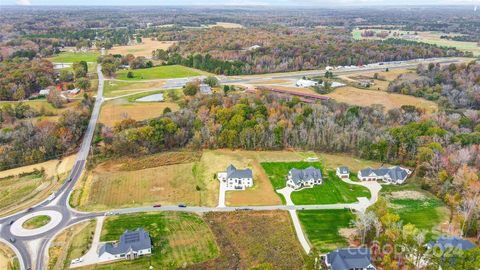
(78, 260)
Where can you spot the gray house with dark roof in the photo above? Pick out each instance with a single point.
(308, 177)
(205, 89)
(236, 179)
(394, 175)
(132, 245)
(446, 242)
(349, 258)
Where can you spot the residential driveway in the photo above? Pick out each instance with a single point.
(298, 229)
(221, 194)
(91, 257)
(286, 192)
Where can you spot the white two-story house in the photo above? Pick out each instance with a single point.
(236, 179)
(308, 177)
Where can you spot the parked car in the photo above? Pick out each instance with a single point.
(182, 205)
(78, 260)
(157, 205)
(29, 209)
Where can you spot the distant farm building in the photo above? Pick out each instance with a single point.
(306, 83)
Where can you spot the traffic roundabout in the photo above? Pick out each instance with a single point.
(18, 228)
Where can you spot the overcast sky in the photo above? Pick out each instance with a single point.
(242, 2)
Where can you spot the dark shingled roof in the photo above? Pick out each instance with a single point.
(349, 258)
(232, 172)
(445, 242)
(343, 169)
(396, 173)
(135, 240)
(299, 176)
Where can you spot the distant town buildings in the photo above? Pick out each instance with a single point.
(308, 177)
(236, 179)
(306, 83)
(394, 175)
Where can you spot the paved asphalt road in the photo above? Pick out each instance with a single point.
(33, 249)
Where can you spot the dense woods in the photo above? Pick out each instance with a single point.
(24, 141)
(277, 49)
(455, 86)
(19, 78)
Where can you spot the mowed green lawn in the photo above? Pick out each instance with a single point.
(323, 227)
(160, 72)
(178, 239)
(70, 57)
(333, 190)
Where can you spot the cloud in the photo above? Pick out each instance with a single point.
(24, 2)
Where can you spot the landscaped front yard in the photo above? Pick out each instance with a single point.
(332, 191)
(326, 230)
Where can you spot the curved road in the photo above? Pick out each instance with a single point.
(32, 250)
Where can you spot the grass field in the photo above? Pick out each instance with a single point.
(333, 190)
(71, 57)
(183, 182)
(427, 37)
(354, 164)
(143, 49)
(322, 227)
(8, 259)
(249, 239)
(159, 72)
(178, 239)
(417, 206)
(72, 243)
(119, 88)
(36, 222)
(116, 110)
(226, 25)
(355, 96)
(22, 187)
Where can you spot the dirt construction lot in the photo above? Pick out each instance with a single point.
(143, 49)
